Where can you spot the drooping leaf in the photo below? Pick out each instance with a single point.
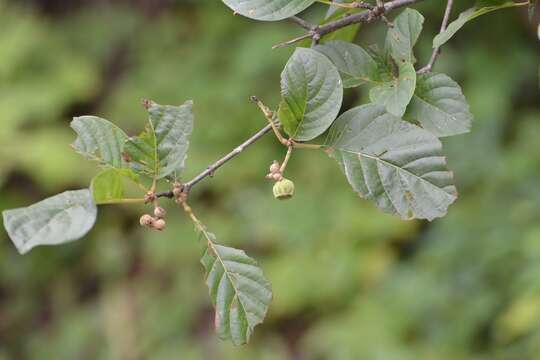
(108, 186)
(162, 148)
(439, 106)
(100, 140)
(396, 93)
(392, 162)
(239, 291)
(268, 10)
(312, 93)
(355, 65)
(469, 15)
(402, 37)
(64, 217)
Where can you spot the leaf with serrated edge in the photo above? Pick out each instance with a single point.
(439, 106)
(239, 291)
(396, 93)
(312, 93)
(162, 148)
(355, 64)
(59, 219)
(99, 140)
(268, 10)
(404, 33)
(392, 162)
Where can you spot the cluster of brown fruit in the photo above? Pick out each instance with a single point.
(156, 222)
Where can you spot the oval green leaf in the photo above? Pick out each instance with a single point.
(268, 10)
(56, 220)
(392, 162)
(404, 33)
(312, 93)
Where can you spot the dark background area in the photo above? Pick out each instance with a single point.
(348, 281)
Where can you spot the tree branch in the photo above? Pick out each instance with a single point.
(210, 170)
(366, 16)
(437, 50)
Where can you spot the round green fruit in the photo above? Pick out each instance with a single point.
(283, 189)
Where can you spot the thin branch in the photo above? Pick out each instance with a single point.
(437, 50)
(302, 23)
(210, 170)
(366, 16)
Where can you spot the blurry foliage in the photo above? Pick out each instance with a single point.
(349, 282)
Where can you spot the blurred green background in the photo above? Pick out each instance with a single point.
(349, 282)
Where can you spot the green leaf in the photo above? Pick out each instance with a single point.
(469, 15)
(268, 10)
(392, 162)
(312, 93)
(64, 217)
(239, 291)
(355, 65)
(439, 106)
(108, 186)
(161, 150)
(402, 37)
(100, 140)
(396, 93)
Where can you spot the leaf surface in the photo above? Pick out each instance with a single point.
(56, 220)
(239, 291)
(162, 148)
(312, 93)
(394, 163)
(396, 93)
(268, 10)
(439, 106)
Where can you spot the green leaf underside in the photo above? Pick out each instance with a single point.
(439, 106)
(465, 17)
(162, 148)
(396, 93)
(311, 92)
(59, 219)
(402, 37)
(268, 10)
(108, 186)
(239, 291)
(355, 64)
(100, 140)
(396, 164)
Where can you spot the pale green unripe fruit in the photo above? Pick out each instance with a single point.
(283, 189)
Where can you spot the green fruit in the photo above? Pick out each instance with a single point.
(283, 189)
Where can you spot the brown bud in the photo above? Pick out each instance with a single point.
(159, 224)
(177, 189)
(274, 168)
(159, 212)
(146, 220)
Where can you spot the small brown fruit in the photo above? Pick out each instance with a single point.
(159, 212)
(146, 220)
(159, 224)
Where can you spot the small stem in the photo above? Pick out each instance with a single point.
(269, 115)
(302, 23)
(122, 201)
(286, 160)
(437, 50)
(306, 146)
(310, 34)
